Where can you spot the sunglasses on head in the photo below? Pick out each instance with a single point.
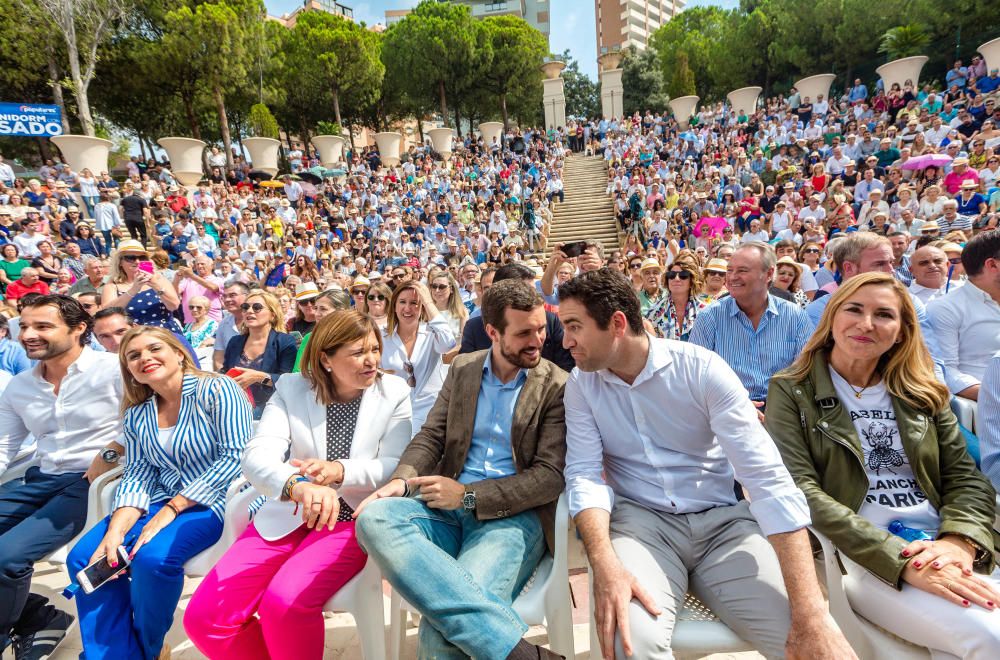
(256, 307)
(133, 258)
(674, 274)
(376, 297)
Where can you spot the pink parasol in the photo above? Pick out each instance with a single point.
(710, 226)
(925, 161)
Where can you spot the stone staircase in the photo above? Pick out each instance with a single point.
(587, 213)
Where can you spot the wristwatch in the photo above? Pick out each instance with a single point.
(267, 382)
(110, 456)
(469, 500)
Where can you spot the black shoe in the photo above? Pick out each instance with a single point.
(42, 643)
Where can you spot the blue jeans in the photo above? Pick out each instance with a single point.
(460, 573)
(37, 515)
(130, 616)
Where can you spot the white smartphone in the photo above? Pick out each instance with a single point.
(95, 575)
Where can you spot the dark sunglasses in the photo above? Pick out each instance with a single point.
(311, 301)
(358, 292)
(812, 251)
(674, 274)
(194, 307)
(133, 258)
(399, 276)
(377, 296)
(440, 287)
(955, 261)
(256, 307)
(635, 266)
(411, 380)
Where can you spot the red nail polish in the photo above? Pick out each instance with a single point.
(916, 564)
(990, 603)
(937, 564)
(965, 602)
(906, 553)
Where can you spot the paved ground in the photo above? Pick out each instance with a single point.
(341, 640)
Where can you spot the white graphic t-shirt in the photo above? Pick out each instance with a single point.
(893, 493)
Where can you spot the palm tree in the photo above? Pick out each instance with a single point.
(904, 41)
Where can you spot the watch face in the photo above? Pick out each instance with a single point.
(469, 501)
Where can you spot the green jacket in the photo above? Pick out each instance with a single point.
(822, 451)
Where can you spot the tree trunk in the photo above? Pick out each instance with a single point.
(503, 110)
(57, 90)
(142, 147)
(192, 118)
(80, 90)
(227, 143)
(336, 106)
(458, 119)
(444, 104)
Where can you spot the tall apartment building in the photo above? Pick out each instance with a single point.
(624, 23)
(329, 6)
(536, 12)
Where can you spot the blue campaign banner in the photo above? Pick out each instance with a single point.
(25, 120)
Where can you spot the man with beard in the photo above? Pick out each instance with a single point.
(489, 471)
(70, 403)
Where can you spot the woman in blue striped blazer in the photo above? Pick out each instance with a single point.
(185, 432)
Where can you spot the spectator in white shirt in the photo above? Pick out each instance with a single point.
(651, 490)
(814, 211)
(929, 266)
(967, 321)
(70, 402)
(837, 161)
(756, 233)
(988, 420)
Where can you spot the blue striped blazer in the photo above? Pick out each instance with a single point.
(213, 426)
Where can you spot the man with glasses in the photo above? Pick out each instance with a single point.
(233, 296)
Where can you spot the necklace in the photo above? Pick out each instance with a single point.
(857, 393)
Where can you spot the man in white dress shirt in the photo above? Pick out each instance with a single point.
(70, 403)
(929, 266)
(655, 430)
(967, 321)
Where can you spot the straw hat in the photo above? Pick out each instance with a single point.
(306, 291)
(718, 265)
(650, 263)
(131, 245)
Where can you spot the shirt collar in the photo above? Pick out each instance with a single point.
(772, 306)
(522, 373)
(658, 357)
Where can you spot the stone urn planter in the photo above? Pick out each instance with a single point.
(744, 99)
(491, 131)
(83, 151)
(683, 107)
(991, 53)
(389, 145)
(185, 155)
(330, 148)
(552, 69)
(263, 153)
(441, 141)
(899, 71)
(813, 86)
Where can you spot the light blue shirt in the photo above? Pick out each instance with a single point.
(755, 354)
(13, 358)
(988, 421)
(490, 455)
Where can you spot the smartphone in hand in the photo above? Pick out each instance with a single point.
(146, 266)
(98, 573)
(574, 249)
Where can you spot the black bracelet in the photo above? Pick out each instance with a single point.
(173, 507)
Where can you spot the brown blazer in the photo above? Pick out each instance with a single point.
(538, 439)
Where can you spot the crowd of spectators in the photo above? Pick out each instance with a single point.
(801, 294)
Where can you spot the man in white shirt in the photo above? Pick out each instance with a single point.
(756, 233)
(814, 211)
(929, 266)
(70, 402)
(967, 321)
(656, 430)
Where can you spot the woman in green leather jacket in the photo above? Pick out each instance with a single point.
(866, 432)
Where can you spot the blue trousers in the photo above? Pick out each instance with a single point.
(460, 573)
(38, 515)
(128, 618)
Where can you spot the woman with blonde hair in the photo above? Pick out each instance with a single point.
(673, 315)
(448, 300)
(788, 277)
(416, 339)
(185, 431)
(866, 431)
(377, 303)
(263, 351)
(331, 436)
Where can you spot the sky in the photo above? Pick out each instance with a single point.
(573, 28)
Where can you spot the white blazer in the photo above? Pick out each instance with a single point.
(294, 426)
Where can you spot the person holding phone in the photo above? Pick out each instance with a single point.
(331, 435)
(185, 432)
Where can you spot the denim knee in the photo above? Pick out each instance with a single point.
(369, 525)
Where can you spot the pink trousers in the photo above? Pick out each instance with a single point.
(284, 582)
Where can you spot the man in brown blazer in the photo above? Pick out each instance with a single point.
(470, 509)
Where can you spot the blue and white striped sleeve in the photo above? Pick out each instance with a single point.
(232, 424)
(140, 478)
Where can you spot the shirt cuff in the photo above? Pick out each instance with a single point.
(584, 494)
(781, 513)
(138, 500)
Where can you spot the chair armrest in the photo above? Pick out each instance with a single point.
(24, 461)
(97, 495)
(840, 607)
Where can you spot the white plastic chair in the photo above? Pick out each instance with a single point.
(235, 521)
(100, 497)
(868, 640)
(966, 410)
(545, 599)
(22, 462)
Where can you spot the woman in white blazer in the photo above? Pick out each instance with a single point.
(329, 437)
(416, 339)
